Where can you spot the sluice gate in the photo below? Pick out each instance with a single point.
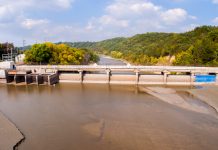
(27, 77)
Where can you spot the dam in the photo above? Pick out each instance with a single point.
(107, 71)
(107, 116)
(136, 75)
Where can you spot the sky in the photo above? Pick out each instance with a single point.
(37, 21)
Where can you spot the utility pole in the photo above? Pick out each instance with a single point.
(24, 43)
(11, 54)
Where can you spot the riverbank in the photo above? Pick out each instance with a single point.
(10, 136)
(196, 102)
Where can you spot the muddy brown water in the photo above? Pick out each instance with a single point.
(101, 117)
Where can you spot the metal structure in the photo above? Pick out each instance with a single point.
(10, 55)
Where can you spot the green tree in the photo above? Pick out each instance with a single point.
(39, 53)
(49, 53)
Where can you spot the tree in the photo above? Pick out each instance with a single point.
(203, 42)
(39, 53)
(49, 53)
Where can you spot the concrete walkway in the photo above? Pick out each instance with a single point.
(9, 134)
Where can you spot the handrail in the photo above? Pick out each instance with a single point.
(139, 68)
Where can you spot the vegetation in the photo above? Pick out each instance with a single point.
(198, 47)
(49, 53)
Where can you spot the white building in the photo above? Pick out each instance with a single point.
(5, 65)
(20, 58)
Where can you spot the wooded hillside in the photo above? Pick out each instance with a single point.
(198, 47)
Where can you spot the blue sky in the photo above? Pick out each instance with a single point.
(92, 20)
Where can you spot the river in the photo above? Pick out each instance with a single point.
(103, 117)
(106, 60)
(80, 117)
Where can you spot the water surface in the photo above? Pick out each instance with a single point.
(106, 60)
(80, 117)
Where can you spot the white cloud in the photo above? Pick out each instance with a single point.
(127, 8)
(64, 3)
(107, 20)
(174, 16)
(121, 18)
(215, 20)
(11, 8)
(31, 23)
(6, 12)
(14, 12)
(128, 17)
(16, 20)
(215, 1)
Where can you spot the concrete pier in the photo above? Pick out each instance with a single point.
(27, 77)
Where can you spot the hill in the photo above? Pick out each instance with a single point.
(198, 47)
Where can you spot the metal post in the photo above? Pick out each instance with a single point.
(81, 76)
(192, 78)
(25, 76)
(108, 71)
(11, 54)
(165, 76)
(137, 76)
(15, 78)
(217, 78)
(37, 81)
(49, 80)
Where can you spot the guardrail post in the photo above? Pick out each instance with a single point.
(165, 73)
(137, 76)
(81, 76)
(25, 77)
(37, 80)
(217, 78)
(49, 80)
(108, 71)
(192, 78)
(15, 79)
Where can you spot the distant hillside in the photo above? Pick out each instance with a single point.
(198, 47)
(25, 47)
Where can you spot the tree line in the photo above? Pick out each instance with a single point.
(49, 53)
(198, 47)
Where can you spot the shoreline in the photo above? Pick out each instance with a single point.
(11, 136)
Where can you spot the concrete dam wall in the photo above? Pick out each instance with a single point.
(138, 75)
(154, 79)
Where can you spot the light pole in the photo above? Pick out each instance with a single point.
(24, 43)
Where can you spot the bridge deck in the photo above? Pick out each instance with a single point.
(123, 68)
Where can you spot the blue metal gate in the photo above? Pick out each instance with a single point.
(205, 78)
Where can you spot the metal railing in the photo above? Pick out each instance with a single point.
(130, 68)
(9, 57)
